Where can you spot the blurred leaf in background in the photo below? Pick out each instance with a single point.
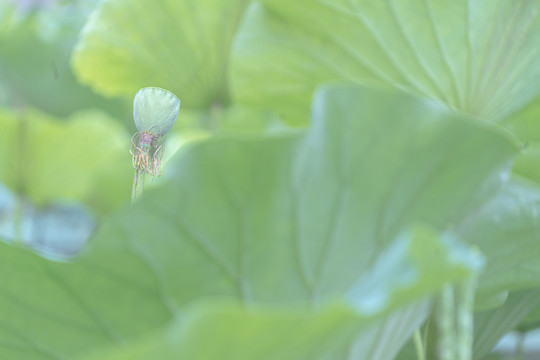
(48, 159)
(55, 166)
(35, 47)
(182, 46)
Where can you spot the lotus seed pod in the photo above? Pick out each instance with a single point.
(155, 110)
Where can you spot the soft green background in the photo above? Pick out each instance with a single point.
(334, 165)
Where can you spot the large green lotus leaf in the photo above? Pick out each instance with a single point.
(55, 310)
(506, 230)
(370, 164)
(290, 220)
(49, 160)
(401, 274)
(181, 46)
(476, 56)
(257, 334)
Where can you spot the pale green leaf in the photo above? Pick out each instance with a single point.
(295, 220)
(346, 329)
(182, 46)
(35, 48)
(371, 182)
(476, 56)
(54, 310)
(48, 160)
(506, 231)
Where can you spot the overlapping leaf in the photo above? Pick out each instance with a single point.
(525, 125)
(48, 160)
(35, 45)
(371, 183)
(479, 57)
(334, 330)
(506, 230)
(181, 46)
(292, 221)
(54, 310)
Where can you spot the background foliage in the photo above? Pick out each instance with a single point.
(336, 166)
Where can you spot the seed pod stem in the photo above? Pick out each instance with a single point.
(138, 185)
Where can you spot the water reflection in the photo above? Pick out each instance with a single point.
(58, 231)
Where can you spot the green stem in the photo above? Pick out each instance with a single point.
(138, 185)
(446, 320)
(465, 327)
(419, 346)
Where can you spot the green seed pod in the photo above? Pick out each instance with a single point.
(155, 110)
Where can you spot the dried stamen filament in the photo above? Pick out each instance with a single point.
(147, 152)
